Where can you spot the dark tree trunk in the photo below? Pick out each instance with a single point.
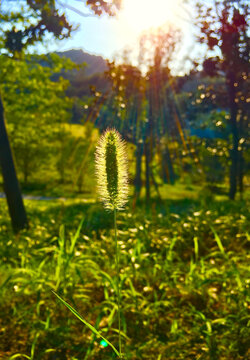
(241, 173)
(234, 129)
(165, 174)
(10, 182)
(155, 185)
(241, 169)
(147, 163)
(167, 167)
(139, 152)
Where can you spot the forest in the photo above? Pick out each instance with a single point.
(124, 189)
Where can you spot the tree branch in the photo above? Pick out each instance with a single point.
(72, 8)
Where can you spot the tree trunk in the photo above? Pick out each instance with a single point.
(139, 151)
(156, 186)
(241, 173)
(147, 163)
(234, 129)
(10, 182)
(167, 166)
(241, 170)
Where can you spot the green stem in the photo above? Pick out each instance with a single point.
(118, 284)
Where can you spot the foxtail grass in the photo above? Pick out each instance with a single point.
(112, 185)
(111, 170)
(112, 179)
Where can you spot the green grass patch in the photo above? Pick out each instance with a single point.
(184, 281)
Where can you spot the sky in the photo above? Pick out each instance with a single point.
(110, 36)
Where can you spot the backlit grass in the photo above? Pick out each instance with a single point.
(184, 292)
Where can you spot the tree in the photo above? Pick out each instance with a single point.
(157, 48)
(128, 102)
(46, 107)
(11, 186)
(223, 28)
(22, 25)
(141, 105)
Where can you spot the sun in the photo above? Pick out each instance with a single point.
(141, 15)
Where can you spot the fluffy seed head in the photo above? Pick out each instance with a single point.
(111, 170)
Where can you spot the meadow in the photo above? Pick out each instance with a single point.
(184, 279)
(176, 284)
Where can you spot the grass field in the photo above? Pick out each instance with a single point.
(184, 273)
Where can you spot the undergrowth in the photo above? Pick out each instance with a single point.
(184, 281)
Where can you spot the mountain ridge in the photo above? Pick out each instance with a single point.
(94, 63)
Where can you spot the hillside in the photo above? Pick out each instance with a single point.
(94, 64)
(90, 74)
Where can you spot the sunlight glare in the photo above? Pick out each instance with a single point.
(145, 14)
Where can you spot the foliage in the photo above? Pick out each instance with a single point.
(184, 269)
(207, 116)
(141, 105)
(35, 107)
(224, 29)
(24, 24)
(184, 281)
(31, 21)
(99, 6)
(74, 160)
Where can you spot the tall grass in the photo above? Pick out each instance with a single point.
(112, 179)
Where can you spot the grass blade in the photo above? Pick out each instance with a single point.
(196, 248)
(92, 328)
(75, 237)
(19, 356)
(218, 240)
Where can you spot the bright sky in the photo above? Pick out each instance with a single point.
(110, 36)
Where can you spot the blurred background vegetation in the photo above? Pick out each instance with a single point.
(184, 235)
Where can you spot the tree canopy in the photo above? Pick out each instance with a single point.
(224, 29)
(27, 22)
(24, 23)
